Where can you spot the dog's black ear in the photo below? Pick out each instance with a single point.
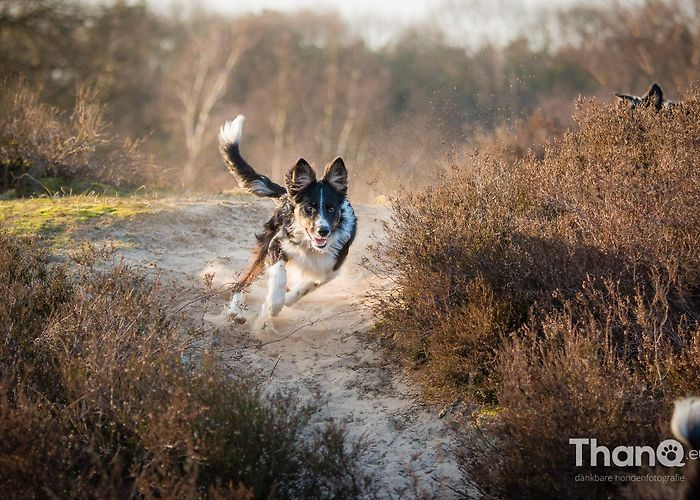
(337, 175)
(623, 97)
(655, 96)
(628, 98)
(300, 176)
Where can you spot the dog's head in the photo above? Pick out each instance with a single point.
(317, 204)
(655, 98)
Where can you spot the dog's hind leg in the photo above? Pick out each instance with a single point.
(237, 307)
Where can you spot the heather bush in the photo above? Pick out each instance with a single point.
(102, 395)
(600, 367)
(562, 290)
(38, 141)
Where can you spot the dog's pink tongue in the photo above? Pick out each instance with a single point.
(320, 241)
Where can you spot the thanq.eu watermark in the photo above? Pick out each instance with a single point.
(669, 453)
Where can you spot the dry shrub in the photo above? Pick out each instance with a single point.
(37, 140)
(599, 368)
(563, 289)
(467, 265)
(519, 139)
(102, 396)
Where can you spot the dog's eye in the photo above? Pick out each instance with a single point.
(309, 209)
(330, 209)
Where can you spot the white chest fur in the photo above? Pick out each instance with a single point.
(309, 261)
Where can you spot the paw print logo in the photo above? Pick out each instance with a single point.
(670, 453)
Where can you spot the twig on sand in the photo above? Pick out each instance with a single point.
(291, 332)
(295, 330)
(269, 377)
(202, 296)
(444, 484)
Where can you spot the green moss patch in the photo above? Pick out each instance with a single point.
(58, 216)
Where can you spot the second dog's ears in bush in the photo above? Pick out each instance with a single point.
(655, 97)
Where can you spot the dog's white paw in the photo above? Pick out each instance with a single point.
(264, 320)
(235, 316)
(236, 309)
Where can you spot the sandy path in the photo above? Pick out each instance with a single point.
(326, 357)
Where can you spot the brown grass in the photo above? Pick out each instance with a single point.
(102, 395)
(564, 290)
(39, 141)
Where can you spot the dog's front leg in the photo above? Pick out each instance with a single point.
(276, 288)
(237, 307)
(293, 296)
(306, 286)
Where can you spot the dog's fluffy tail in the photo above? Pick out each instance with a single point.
(248, 179)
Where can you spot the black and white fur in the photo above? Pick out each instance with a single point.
(685, 425)
(311, 229)
(654, 97)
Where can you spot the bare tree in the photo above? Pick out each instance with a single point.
(203, 77)
(35, 35)
(625, 46)
(278, 119)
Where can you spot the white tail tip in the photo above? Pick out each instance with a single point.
(231, 131)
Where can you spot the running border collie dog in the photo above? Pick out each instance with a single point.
(311, 229)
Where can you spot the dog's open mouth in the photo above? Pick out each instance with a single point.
(318, 241)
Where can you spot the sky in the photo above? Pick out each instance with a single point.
(398, 10)
(350, 9)
(374, 20)
(405, 11)
(469, 21)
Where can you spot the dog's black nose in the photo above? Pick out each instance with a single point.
(323, 232)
